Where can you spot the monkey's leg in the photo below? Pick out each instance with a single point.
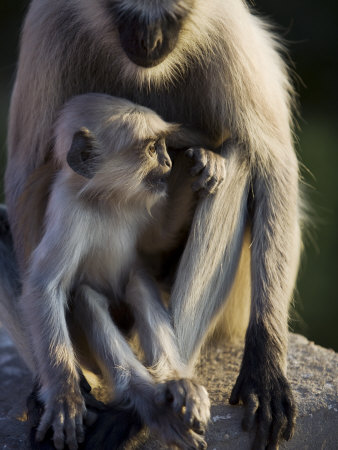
(262, 383)
(161, 352)
(210, 259)
(42, 305)
(132, 383)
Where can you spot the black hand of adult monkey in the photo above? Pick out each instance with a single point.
(268, 403)
(210, 169)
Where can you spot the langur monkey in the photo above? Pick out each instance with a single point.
(113, 169)
(216, 68)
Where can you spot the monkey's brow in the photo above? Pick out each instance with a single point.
(154, 138)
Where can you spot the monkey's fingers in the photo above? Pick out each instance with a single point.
(80, 432)
(264, 419)
(278, 425)
(58, 430)
(213, 185)
(236, 391)
(174, 432)
(291, 413)
(200, 157)
(251, 405)
(197, 410)
(44, 425)
(71, 434)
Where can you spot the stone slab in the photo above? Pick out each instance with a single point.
(313, 372)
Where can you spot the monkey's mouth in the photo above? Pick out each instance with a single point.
(157, 184)
(144, 62)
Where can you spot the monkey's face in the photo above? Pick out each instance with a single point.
(134, 175)
(149, 30)
(157, 159)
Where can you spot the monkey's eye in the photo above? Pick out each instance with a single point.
(151, 149)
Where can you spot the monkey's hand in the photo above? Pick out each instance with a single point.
(64, 411)
(268, 403)
(187, 399)
(210, 169)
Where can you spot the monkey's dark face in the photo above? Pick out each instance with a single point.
(149, 38)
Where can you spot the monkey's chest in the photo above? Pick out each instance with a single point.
(107, 266)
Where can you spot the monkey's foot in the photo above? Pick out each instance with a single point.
(64, 412)
(172, 430)
(210, 169)
(187, 399)
(268, 403)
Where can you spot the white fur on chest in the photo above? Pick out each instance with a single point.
(112, 250)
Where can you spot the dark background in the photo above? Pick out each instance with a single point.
(310, 29)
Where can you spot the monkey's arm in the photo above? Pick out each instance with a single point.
(130, 380)
(275, 250)
(43, 302)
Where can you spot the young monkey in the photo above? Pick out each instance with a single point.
(113, 168)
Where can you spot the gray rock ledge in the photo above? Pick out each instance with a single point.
(313, 372)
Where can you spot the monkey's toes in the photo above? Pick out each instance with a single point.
(189, 400)
(64, 414)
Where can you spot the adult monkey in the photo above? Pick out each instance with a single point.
(212, 66)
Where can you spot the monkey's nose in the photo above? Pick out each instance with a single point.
(167, 162)
(151, 40)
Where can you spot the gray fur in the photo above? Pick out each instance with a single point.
(225, 75)
(10, 288)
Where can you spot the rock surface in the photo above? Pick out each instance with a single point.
(313, 372)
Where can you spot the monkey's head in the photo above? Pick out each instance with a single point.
(149, 30)
(116, 149)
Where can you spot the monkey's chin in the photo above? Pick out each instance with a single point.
(146, 63)
(158, 186)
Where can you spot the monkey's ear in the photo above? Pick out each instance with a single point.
(81, 154)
